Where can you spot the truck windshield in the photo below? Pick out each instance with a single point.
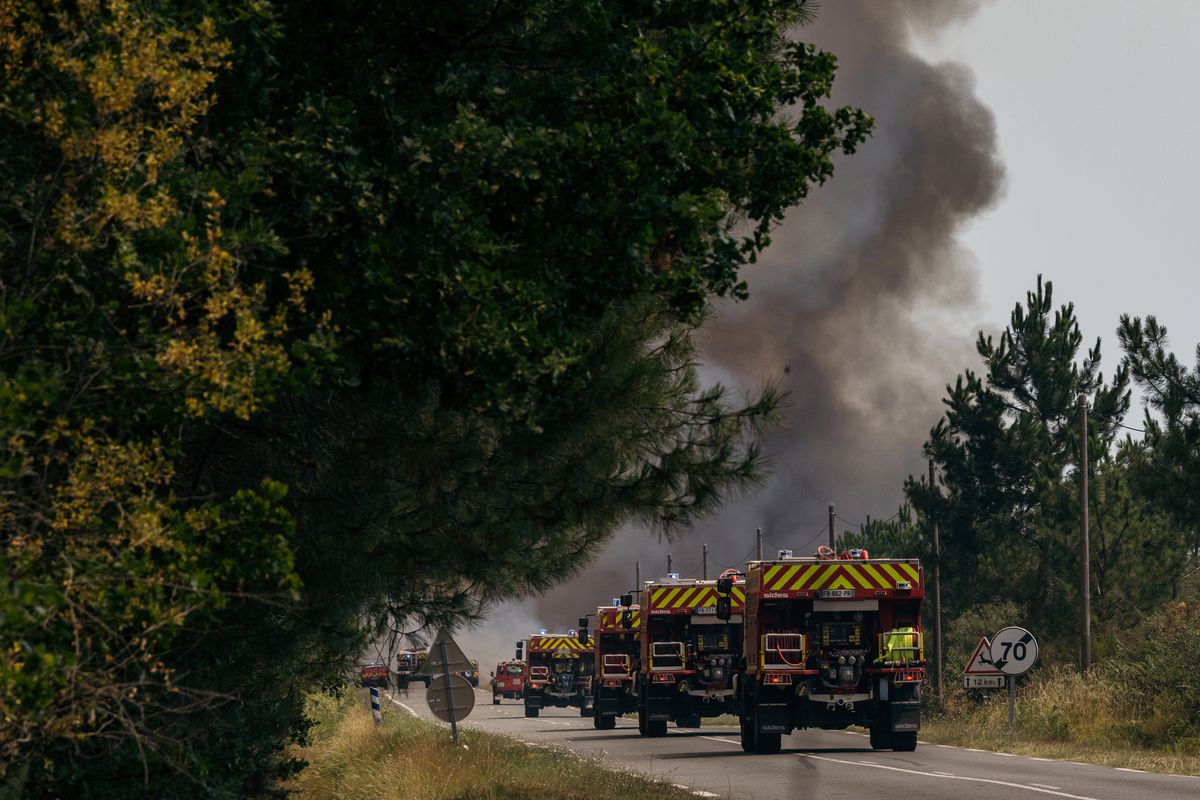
(513, 669)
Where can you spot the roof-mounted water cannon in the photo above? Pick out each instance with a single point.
(627, 600)
(785, 553)
(582, 636)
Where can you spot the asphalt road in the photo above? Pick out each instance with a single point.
(813, 764)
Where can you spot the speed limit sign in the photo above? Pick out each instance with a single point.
(1014, 651)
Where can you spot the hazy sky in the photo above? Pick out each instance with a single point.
(1099, 128)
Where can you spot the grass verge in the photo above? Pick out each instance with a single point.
(1064, 715)
(411, 759)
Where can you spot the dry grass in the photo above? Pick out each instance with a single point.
(408, 759)
(1062, 714)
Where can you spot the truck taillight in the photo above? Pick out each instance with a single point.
(915, 676)
(664, 678)
(777, 679)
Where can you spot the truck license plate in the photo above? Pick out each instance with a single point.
(706, 610)
(836, 593)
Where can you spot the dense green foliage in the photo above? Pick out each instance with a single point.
(1007, 498)
(318, 317)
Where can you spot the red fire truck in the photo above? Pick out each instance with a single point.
(560, 672)
(508, 681)
(832, 641)
(618, 657)
(688, 654)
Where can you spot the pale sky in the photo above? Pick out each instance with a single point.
(1099, 127)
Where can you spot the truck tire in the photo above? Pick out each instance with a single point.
(767, 744)
(531, 712)
(656, 728)
(604, 723)
(747, 735)
(642, 721)
(904, 741)
(692, 721)
(881, 734)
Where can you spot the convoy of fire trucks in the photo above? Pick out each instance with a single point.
(825, 641)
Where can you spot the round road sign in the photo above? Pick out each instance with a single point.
(462, 697)
(1014, 651)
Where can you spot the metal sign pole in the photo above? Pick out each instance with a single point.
(1012, 699)
(449, 695)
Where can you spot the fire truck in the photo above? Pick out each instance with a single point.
(508, 681)
(560, 672)
(618, 656)
(832, 641)
(688, 654)
(408, 667)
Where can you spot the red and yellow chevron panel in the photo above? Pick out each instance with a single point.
(554, 643)
(691, 598)
(861, 577)
(608, 618)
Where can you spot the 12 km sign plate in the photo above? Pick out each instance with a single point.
(984, 681)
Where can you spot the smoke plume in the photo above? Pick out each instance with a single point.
(862, 308)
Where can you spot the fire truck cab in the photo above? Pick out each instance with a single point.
(688, 654)
(832, 641)
(508, 681)
(560, 672)
(618, 658)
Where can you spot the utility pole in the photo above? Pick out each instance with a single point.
(1085, 582)
(937, 594)
(637, 578)
(704, 568)
(758, 533)
(668, 563)
(832, 528)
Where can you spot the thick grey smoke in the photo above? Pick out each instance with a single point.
(862, 308)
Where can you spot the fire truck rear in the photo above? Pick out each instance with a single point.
(831, 642)
(618, 657)
(508, 681)
(560, 672)
(688, 654)
(408, 667)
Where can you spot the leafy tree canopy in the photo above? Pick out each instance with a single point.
(315, 315)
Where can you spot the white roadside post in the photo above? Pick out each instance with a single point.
(1014, 651)
(376, 709)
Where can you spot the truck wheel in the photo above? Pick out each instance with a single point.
(530, 712)
(904, 741)
(747, 735)
(656, 727)
(767, 744)
(692, 721)
(642, 722)
(881, 732)
(604, 723)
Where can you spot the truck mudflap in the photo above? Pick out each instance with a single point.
(906, 716)
(658, 703)
(773, 716)
(608, 706)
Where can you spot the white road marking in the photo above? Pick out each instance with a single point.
(1127, 769)
(947, 746)
(1045, 786)
(1009, 755)
(697, 792)
(717, 739)
(945, 774)
(949, 777)
(397, 702)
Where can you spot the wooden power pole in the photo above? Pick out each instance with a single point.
(1085, 582)
(758, 534)
(704, 564)
(937, 594)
